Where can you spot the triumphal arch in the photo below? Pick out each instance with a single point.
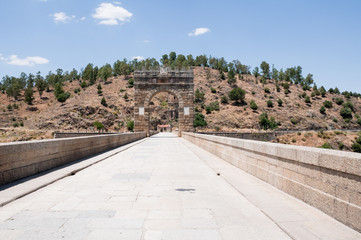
(148, 83)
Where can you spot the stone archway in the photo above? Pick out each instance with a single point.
(150, 82)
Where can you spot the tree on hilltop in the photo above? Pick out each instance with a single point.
(265, 69)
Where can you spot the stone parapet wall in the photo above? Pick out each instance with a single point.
(329, 180)
(79, 134)
(259, 136)
(22, 159)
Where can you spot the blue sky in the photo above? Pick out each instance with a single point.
(324, 37)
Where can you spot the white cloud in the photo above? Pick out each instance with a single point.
(109, 14)
(83, 18)
(61, 17)
(199, 31)
(139, 58)
(1, 57)
(146, 41)
(28, 61)
(43, 0)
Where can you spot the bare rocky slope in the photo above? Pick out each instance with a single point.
(82, 109)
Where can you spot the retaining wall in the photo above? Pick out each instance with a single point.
(22, 159)
(329, 180)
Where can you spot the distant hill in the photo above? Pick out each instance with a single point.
(79, 112)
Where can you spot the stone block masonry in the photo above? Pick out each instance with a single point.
(178, 83)
(329, 180)
(23, 159)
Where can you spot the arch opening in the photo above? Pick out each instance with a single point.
(163, 112)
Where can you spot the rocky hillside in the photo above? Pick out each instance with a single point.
(293, 113)
(84, 107)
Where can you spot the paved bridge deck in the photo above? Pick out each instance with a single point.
(164, 188)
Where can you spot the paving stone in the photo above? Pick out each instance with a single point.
(165, 188)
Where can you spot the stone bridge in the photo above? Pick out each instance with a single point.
(129, 186)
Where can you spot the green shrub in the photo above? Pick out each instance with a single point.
(253, 92)
(339, 133)
(356, 146)
(103, 102)
(63, 97)
(224, 99)
(98, 125)
(335, 120)
(126, 96)
(313, 94)
(122, 90)
(307, 99)
(130, 125)
(213, 90)
(214, 106)
(322, 110)
(237, 94)
(130, 83)
(15, 124)
(303, 95)
(326, 145)
(267, 123)
(10, 107)
(346, 113)
(21, 124)
(199, 120)
(341, 145)
(286, 85)
(349, 105)
(327, 104)
(269, 103)
(208, 109)
(76, 90)
(280, 102)
(294, 121)
(198, 96)
(253, 105)
(286, 91)
(338, 101)
(15, 106)
(266, 90)
(83, 84)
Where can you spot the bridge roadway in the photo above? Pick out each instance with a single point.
(164, 188)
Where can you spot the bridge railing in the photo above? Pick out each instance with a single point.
(22, 159)
(329, 180)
